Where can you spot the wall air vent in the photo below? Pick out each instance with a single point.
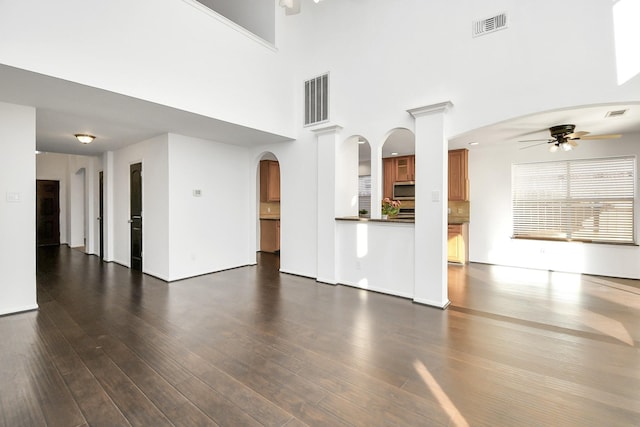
(490, 25)
(316, 100)
(616, 113)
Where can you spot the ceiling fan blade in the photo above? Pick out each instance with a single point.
(572, 142)
(537, 140)
(534, 145)
(577, 135)
(607, 136)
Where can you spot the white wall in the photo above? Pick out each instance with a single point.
(174, 54)
(376, 256)
(298, 203)
(153, 153)
(491, 222)
(384, 59)
(210, 232)
(17, 208)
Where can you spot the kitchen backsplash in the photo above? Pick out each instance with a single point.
(270, 208)
(458, 212)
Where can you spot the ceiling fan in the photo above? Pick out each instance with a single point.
(564, 137)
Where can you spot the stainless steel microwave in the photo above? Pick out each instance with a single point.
(404, 190)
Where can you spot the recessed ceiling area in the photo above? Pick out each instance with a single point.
(592, 119)
(64, 109)
(597, 120)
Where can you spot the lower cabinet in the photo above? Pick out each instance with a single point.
(269, 235)
(457, 248)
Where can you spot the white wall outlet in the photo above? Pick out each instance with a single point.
(197, 193)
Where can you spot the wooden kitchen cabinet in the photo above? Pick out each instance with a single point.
(458, 175)
(457, 238)
(269, 235)
(405, 168)
(269, 181)
(389, 175)
(397, 169)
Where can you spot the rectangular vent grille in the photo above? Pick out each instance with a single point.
(616, 113)
(490, 25)
(316, 100)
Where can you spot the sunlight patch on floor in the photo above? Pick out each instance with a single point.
(607, 326)
(456, 417)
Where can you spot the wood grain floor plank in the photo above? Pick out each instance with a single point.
(163, 395)
(163, 353)
(131, 401)
(19, 405)
(251, 346)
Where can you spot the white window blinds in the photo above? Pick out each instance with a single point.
(584, 200)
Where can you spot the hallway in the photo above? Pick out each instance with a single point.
(250, 346)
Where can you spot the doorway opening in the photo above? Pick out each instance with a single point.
(269, 204)
(101, 213)
(135, 181)
(47, 212)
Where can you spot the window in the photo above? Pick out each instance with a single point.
(579, 200)
(316, 100)
(364, 192)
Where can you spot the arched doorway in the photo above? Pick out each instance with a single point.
(398, 170)
(269, 204)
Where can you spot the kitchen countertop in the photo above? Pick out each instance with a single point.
(400, 220)
(361, 219)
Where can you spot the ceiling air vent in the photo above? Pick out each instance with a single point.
(316, 100)
(616, 113)
(490, 25)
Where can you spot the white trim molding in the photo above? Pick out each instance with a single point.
(429, 109)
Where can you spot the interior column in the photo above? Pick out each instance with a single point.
(330, 200)
(430, 281)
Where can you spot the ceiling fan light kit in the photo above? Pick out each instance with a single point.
(565, 138)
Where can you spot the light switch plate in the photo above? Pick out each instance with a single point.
(13, 197)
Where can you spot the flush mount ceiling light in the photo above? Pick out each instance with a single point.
(85, 138)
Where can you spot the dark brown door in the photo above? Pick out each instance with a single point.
(47, 212)
(136, 216)
(101, 215)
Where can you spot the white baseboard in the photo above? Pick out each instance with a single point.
(379, 290)
(21, 309)
(437, 304)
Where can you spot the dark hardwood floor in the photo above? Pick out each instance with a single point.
(249, 347)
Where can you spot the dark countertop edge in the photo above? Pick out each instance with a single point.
(270, 218)
(391, 220)
(396, 220)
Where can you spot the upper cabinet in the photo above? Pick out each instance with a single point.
(389, 174)
(269, 181)
(405, 168)
(458, 175)
(397, 169)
